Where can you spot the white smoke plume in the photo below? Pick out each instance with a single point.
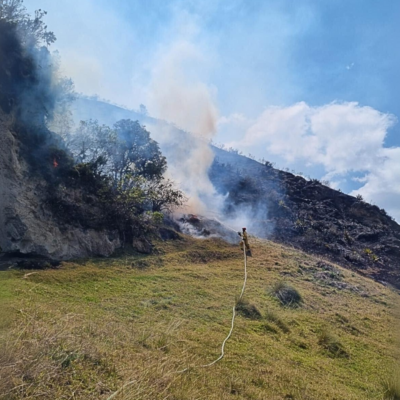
(179, 96)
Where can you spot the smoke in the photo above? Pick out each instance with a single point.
(178, 95)
(31, 90)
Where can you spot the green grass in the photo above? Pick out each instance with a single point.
(274, 317)
(247, 309)
(332, 344)
(85, 330)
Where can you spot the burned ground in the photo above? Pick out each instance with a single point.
(310, 216)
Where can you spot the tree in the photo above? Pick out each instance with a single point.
(126, 150)
(131, 161)
(33, 31)
(143, 110)
(93, 144)
(137, 153)
(163, 195)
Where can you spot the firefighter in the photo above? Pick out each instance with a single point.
(245, 240)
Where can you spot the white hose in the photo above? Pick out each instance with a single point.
(233, 319)
(226, 339)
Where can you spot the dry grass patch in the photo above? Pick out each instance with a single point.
(277, 320)
(47, 359)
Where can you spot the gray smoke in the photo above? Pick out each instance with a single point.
(180, 97)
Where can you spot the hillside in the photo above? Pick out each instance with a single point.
(84, 330)
(284, 207)
(310, 216)
(27, 223)
(121, 274)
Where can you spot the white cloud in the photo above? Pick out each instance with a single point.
(342, 138)
(383, 183)
(232, 128)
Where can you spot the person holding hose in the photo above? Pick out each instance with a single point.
(245, 242)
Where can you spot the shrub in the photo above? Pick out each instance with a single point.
(269, 164)
(247, 310)
(326, 183)
(287, 295)
(371, 255)
(331, 343)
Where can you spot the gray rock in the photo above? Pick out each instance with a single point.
(27, 226)
(142, 246)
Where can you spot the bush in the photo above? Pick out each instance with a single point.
(287, 295)
(247, 310)
(331, 343)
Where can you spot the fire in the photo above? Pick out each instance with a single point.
(55, 163)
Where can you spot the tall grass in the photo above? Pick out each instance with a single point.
(392, 388)
(332, 344)
(286, 294)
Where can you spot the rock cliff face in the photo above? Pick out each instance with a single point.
(27, 226)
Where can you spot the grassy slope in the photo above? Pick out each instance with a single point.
(82, 331)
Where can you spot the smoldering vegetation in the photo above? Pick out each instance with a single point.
(117, 181)
(95, 176)
(275, 204)
(30, 86)
(250, 198)
(308, 215)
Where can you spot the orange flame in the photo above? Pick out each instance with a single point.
(55, 163)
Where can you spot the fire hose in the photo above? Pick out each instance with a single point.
(233, 319)
(225, 340)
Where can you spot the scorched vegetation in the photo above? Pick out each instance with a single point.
(92, 177)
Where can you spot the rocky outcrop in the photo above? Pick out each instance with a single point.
(27, 226)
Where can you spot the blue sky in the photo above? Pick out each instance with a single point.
(312, 85)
